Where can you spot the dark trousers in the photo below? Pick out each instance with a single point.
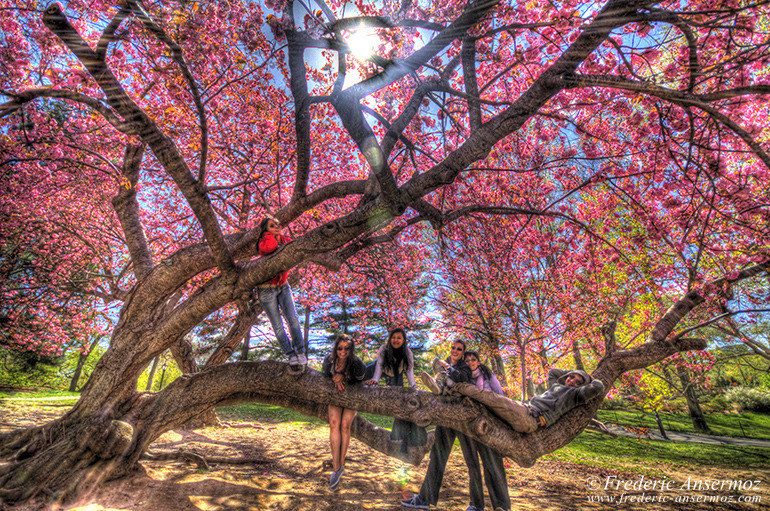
(410, 433)
(439, 455)
(494, 475)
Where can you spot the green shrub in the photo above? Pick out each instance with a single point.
(717, 404)
(751, 399)
(615, 403)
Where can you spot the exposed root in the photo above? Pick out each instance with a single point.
(200, 460)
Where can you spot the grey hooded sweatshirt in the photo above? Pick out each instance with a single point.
(559, 398)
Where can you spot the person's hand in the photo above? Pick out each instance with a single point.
(371, 382)
(340, 386)
(337, 378)
(444, 363)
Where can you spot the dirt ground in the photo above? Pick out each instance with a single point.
(281, 467)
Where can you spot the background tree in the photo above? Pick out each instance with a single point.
(195, 122)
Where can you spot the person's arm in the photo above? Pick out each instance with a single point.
(554, 375)
(268, 244)
(410, 370)
(378, 364)
(494, 385)
(590, 391)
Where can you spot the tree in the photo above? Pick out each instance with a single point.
(196, 121)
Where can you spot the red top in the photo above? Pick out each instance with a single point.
(269, 244)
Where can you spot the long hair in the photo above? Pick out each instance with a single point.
(349, 362)
(263, 228)
(487, 372)
(390, 352)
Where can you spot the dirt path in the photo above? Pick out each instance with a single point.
(286, 472)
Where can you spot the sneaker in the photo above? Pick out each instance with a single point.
(437, 367)
(302, 359)
(430, 383)
(474, 508)
(334, 481)
(415, 502)
(293, 361)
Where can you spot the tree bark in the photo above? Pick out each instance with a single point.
(693, 406)
(82, 357)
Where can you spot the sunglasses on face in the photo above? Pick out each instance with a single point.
(340, 348)
(457, 349)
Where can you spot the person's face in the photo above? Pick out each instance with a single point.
(472, 362)
(573, 380)
(343, 349)
(456, 352)
(397, 340)
(273, 227)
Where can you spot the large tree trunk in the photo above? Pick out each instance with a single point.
(82, 357)
(696, 413)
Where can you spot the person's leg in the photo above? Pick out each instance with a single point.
(286, 301)
(471, 455)
(512, 412)
(347, 420)
(494, 477)
(439, 454)
(335, 436)
(268, 299)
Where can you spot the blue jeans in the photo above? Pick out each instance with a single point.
(276, 301)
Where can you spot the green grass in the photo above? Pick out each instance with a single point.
(268, 413)
(265, 413)
(750, 425)
(39, 394)
(597, 449)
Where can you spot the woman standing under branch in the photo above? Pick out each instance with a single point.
(494, 470)
(344, 368)
(394, 360)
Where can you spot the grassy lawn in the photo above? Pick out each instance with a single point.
(41, 395)
(628, 453)
(751, 425)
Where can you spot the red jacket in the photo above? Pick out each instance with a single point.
(269, 244)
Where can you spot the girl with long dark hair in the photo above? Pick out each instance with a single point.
(276, 299)
(394, 360)
(344, 368)
(494, 470)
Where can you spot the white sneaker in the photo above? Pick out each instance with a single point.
(334, 481)
(293, 360)
(302, 359)
(430, 383)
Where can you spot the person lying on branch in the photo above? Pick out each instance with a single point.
(566, 390)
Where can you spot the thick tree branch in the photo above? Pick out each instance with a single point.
(477, 146)
(298, 84)
(127, 209)
(21, 98)
(683, 99)
(471, 82)
(163, 147)
(178, 57)
(246, 317)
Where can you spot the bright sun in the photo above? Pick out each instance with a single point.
(363, 42)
